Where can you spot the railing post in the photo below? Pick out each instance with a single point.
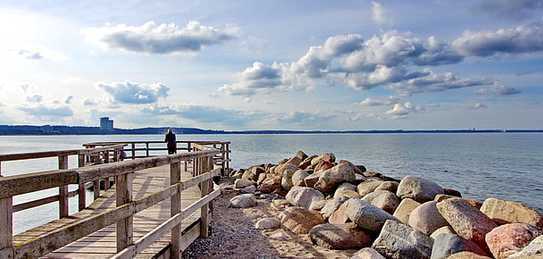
(124, 229)
(205, 190)
(107, 183)
(6, 226)
(82, 194)
(228, 157)
(175, 177)
(133, 150)
(63, 190)
(146, 149)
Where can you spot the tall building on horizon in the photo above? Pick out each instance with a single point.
(106, 123)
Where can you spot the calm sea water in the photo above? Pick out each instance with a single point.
(508, 166)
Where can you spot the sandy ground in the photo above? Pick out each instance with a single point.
(234, 236)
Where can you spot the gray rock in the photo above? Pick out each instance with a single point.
(405, 208)
(331, 206)
(242, 183)
(243, 201)
(398, 241)
(534, 248)
(367, 253)
(303, 196)
(388, 186)
(286, 176)
(341, 236)
(346, 190)
(331, 178)
(366, 215)
(418, 189)
(442, 230)
(299, 176)
(268, 223)
(448, 244)
(248, 189)
(367, 187)
(426, 218)
(383, 199)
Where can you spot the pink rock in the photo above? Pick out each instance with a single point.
(426, 218)
(508, 239)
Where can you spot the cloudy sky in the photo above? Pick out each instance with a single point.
(273, 64)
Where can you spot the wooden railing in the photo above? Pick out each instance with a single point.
(141, 149)
(126, 206)
(87, 156)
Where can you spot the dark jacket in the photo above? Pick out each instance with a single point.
(171, 143)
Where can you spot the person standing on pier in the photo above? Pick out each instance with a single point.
(171, 142)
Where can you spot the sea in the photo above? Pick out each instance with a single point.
(479, 165)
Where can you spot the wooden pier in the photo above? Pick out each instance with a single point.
(156, 206)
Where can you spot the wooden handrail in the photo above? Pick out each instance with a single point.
(57, 153)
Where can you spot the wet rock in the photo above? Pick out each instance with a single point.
(426, 218)
(361, 168)
(242, 183)
(467, 255)
(398, 241)
(268, 223)
(388, 186)
(347, 190)
(367, 253)
(466, 220)
(418, 189)
(452, 192)
(331, 206)
(300, 220)
(503, 211)
(404, 209)
(382, 199)
(334, 176)
(442, 230)
(341, 236)
(534, 249)
(303, 196)
(508, 239)
(367, 187)
(448, 244)
(365, 215)
(243, 201)
(299, 176)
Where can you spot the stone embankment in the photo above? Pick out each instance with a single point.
(340, 205)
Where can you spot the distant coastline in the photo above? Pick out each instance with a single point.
(81, 130)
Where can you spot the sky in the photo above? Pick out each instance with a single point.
(308, 64)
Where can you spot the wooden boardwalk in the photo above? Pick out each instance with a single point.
(102, 243)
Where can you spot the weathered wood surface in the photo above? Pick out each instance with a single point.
(102, 243)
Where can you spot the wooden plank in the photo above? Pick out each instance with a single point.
(124, 196)
(63, 209)
(35, 203)
(35, 155)
(25, 183)
(82, 193)
(6, 223)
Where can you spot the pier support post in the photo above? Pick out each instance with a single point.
(6, 226)
(175, 177)
(82, 194)
(205, 189)
(63, 210)
(124, 229)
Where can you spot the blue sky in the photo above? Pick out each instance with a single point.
(273, 64)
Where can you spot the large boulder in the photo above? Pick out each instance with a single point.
(368, 186)
(503, 211)
(442, 230)
(301, 155)
(365, 215)
(367, 253)
(306, 163)
(312, 179)
(300, 220)
(448, 244)
(270, 184)
(286, 179)
(466, 220)
(426, 218)
(334, 176)
(346, 190)
(322, 166)
(331, 206)
(382, 199)
(326, 157)
(242, 183)
(253, 173)
(398, 241)
(340, 236)
(508, 239)
(243, 201)
(303, 196)
(467, 255)
(268, 223)
(404, 209)
(299, 176)
(534, 249)
(418, 189)
(388, 186)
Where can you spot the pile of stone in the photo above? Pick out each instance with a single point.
(343, 206)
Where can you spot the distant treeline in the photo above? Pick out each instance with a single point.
(79, 130)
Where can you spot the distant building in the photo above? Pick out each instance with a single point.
(106, 123)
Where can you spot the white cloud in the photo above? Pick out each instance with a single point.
(516, 9)
(369, 102)
(255, 78)
(478, 106)
(436, 82)
(134, 93)
(304, 118)
(498, 90)
(47, 111)
(205, 114)
(36, 98)
(401, 110)
(521, 39)
(161, 38)
(379, 14)
(90, 102)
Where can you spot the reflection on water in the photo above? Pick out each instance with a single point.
(499, 165)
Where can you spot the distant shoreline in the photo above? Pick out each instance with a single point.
(18, 130)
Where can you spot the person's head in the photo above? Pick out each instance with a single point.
(169, 131)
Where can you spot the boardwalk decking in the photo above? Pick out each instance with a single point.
(102, 243)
